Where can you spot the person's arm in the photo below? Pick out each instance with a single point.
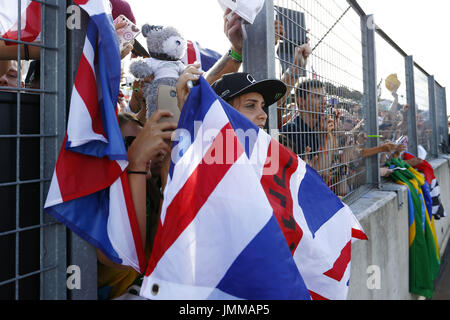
(137, 100)
(10, 52)
(191, 73)
(127, 49)
(328, 145)
(404, 124)
(385, 172)
(368, 152)
(227, 64)
(394, 105)
(150, 143)
(387, 147)
(292, 75)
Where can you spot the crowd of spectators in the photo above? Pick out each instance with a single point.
(327, 133)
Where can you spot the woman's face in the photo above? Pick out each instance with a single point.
(252, 106)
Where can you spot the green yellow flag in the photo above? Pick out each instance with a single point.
(424, 258)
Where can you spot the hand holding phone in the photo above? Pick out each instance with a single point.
(167, 100)
(127, 33)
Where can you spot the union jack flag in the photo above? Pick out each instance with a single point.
(89, 191)
(245, 218)
(195, 52)
(30, 20)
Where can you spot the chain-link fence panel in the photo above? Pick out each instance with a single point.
(319, 57)
(33, 245)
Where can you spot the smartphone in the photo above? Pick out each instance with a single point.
(167, 100)
(127, 33)
(294, 25)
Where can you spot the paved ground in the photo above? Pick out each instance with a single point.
(442, 287)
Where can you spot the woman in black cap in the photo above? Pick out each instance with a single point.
(240, 90)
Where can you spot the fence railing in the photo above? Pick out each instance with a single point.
(357, 90)
(33, 245)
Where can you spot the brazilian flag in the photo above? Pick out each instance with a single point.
(424, 257)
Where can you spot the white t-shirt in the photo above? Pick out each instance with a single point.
(165, 69)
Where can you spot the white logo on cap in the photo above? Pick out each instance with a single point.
(226, 92)
(251, 79)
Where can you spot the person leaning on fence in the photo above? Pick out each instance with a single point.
(309, 133)
(249, 97)
(287, 111)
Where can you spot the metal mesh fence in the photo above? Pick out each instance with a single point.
(391, 94)
(423, 119)
(32, 244)
(322, 117)
(442, 119)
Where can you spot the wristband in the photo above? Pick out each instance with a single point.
(137, 172)
(235, 56)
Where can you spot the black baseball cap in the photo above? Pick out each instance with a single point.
(235, 84)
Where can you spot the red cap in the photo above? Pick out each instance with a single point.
(122, 7)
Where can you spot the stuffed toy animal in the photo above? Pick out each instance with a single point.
(166, 47)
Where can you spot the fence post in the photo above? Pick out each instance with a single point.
(445, 112)
(413, 141)
(444, 121)
(81, 253)
(370, 96)
(259, 53)
(433, 117)
(53, 113)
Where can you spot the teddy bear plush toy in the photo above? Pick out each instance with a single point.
(166, 47)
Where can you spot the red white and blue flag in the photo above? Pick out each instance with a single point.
(30, 22)
(195, 52)
(89, 192)
(245, 218)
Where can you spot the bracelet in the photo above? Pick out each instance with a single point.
(235, 56)
(137, 172)
(27, 52)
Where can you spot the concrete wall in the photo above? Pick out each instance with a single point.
(380, 266)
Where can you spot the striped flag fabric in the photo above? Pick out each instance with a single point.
(195, 52)
(424, 256)
(427, 170)
(30, 20)
(89, 191)
(245, 218)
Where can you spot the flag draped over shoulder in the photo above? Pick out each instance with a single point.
(89, 191)
(30, 24)
(424, 256)
(245, 218)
